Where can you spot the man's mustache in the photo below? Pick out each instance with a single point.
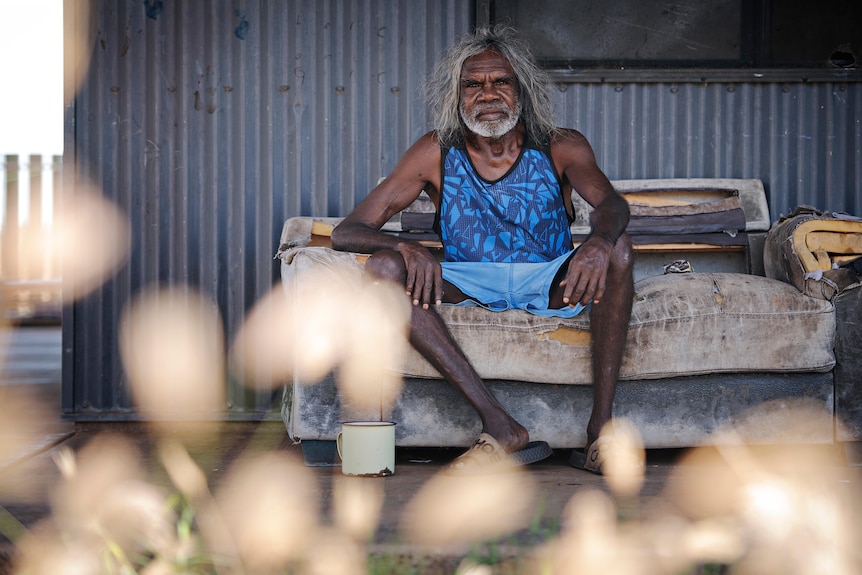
(490, 107)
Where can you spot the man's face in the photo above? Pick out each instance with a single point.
(490, 106)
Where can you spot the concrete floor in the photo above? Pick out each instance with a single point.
(32, 372)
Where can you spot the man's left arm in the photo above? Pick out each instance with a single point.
(587, 273)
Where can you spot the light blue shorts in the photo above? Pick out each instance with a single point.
(502, 286)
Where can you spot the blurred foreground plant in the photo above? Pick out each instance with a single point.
(109, 517)
(748, 509)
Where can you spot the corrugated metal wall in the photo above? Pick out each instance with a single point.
(210, 123)
(804, 139)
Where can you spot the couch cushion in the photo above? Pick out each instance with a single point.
(682, 324)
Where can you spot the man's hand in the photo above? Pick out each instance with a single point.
(587, 272)
(424, 283)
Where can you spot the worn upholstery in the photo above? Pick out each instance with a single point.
(810, 249)
(682, 324)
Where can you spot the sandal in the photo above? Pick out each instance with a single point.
(487, 454)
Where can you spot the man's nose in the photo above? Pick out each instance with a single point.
(489, 92)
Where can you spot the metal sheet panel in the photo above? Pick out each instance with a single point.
(210, 123)
(803, 140)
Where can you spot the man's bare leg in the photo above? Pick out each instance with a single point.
(431, 338)
(609, 323)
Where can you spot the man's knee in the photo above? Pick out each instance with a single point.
(622, 257)
(387, 265)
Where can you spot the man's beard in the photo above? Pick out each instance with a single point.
(492, 128)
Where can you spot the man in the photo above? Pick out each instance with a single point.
(501, 174)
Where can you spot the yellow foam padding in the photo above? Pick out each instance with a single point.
(319, 241)
(830, 236)
(844, 259)
(674, 197)
(319, 228)
(568, 336)
(834, 243)
(823, 261)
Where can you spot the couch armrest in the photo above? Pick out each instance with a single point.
(301, 231)
(848, 364)
(807, 248)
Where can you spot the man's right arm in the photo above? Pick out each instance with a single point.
(360, 230)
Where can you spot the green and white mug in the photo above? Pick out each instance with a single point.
(367, 448)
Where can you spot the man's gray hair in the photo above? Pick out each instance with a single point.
(443, 86)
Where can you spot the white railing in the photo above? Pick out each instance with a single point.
(29, 275)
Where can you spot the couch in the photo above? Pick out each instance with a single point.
(722, 346)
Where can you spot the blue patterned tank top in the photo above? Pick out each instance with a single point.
(519, 218)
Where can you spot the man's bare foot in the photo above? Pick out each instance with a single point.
(511, 435)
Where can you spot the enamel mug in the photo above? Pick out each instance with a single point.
(367, 448)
